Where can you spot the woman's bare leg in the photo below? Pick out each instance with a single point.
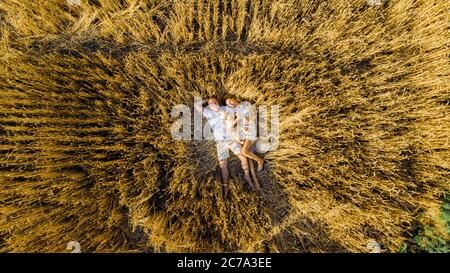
(244, 165)
(246, 151)
(225, 176)
(251, 164)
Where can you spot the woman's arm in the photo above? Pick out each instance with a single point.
(236, 119)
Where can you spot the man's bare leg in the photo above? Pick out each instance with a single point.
(225, 176)
(251, 164)
(244, 165)
(248, 153)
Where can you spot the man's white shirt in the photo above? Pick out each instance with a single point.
(222, 129)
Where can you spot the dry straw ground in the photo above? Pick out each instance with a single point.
(85, 146)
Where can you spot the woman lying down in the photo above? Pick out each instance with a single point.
(243, 120)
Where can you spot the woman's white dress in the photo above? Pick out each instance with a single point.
(247, 125)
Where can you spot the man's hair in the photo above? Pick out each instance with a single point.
(213, 98)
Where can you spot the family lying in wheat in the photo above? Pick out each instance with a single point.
(234, 127)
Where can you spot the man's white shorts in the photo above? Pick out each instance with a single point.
(223, 148)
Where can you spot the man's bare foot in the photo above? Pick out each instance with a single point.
(260, 165)
(226, 189)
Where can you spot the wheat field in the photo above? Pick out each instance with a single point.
(86, 152)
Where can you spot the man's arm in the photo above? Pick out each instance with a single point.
(198, 105)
